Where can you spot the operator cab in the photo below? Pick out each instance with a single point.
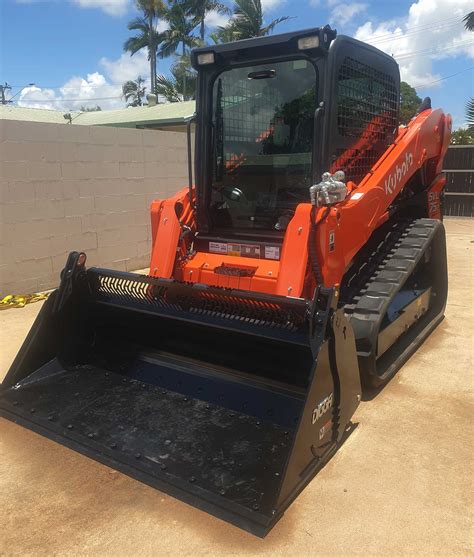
(262, 122)
(273, 114)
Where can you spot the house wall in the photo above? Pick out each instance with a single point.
(66, 187)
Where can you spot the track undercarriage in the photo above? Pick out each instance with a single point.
(396, 296)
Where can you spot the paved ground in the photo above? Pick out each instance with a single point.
(401, 484)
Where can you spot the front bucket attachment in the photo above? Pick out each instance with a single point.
(228, 400)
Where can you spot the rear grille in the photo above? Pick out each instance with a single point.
(162, 295)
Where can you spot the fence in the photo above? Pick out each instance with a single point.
(459, 168)
(66, 187)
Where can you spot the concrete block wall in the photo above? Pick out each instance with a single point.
(66, 187)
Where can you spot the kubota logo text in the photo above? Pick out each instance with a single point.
(398, 174)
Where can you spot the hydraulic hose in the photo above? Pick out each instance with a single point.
(313, 255)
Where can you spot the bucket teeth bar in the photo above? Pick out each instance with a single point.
(263, 314)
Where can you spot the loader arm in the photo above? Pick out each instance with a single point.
(420, 146)
(341, 232)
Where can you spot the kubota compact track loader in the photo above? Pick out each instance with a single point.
(308, 259)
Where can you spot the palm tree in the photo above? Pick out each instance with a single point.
(172, 87)
(470, 113)
(199, 9)
(180, 30)
(134, 91)
(148, 35)
(223, 35)
(247, 21)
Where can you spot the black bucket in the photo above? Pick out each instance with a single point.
(228, 400)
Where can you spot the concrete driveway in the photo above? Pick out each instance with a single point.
(400, 485)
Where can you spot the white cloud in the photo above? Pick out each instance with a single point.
(126, 67)
(74, 94)
(33, 93)
(343, 13)
(215, 19)
(103, 89)
(432, 30)
(110, 7)
(268, 5)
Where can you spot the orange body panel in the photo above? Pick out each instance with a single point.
(340, 235)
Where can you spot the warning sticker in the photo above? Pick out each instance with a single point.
(217, 247)
(234, 249)
(272, 252)
(250, 251)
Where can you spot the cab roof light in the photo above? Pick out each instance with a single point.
(305, 43)
(205, 58)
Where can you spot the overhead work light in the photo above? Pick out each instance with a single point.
(305, 43)
(205, 58)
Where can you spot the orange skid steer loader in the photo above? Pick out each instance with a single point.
(305, 262)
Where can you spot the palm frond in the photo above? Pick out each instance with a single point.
(166, 87)
(134, 91)
(168, 48)
(138, 24)
(152, 8)
(470, 113)
(269, 28)
(218, 7)
(134, 44)
(469, 21)
(248, 21)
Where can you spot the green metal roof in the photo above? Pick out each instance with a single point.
(160, 114)
(10, 112)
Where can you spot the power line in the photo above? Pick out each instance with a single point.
(429, 51)
(386, 37)
(442, 78)
(90, 86)
(70, 100)
(397, 36)
(419, 28)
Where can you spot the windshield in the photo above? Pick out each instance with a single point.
(262, 145)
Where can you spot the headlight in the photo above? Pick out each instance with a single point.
(205, 58)
(305, 43)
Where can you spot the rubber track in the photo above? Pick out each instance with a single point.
(367, 309)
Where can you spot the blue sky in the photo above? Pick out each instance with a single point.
(72, 49)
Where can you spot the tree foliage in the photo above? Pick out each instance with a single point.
(223, 35)
(463, 136)
(179, 37)
(172, 87)
(470, 113)
(95, 108)
(247, 22)
(180, 31)
(469, 25)
(409, 102)
(199, 9)
(469, 21)
(147, 35)
(134, 91)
